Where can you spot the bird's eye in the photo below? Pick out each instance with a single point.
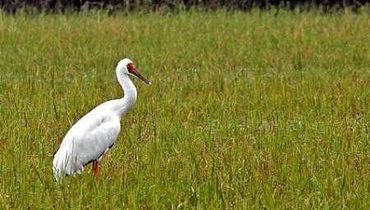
(131, 68)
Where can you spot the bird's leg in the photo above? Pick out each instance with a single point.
(95, 167)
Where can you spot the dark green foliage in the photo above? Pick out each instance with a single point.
(128, 5)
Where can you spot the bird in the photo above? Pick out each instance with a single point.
(96, 132)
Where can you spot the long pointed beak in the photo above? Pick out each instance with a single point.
(137, 73)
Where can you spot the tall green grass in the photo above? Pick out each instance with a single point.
(246, 111)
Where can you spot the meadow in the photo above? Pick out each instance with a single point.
(259, 110)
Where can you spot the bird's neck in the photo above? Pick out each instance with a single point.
(128, 101)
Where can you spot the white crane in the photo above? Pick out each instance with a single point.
(96, 132)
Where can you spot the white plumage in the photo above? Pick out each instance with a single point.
(96, 132)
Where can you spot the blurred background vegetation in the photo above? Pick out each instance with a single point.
(12, 6)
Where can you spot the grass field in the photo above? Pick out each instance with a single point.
(246, 111)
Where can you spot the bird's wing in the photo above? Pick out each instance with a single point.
(95, 141)
(86, 143)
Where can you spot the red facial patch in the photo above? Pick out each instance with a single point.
(131, 68)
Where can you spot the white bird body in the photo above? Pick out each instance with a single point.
(96, 132)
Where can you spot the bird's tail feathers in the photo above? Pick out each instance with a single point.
(62, 164)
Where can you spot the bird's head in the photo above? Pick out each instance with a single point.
(128, 67)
